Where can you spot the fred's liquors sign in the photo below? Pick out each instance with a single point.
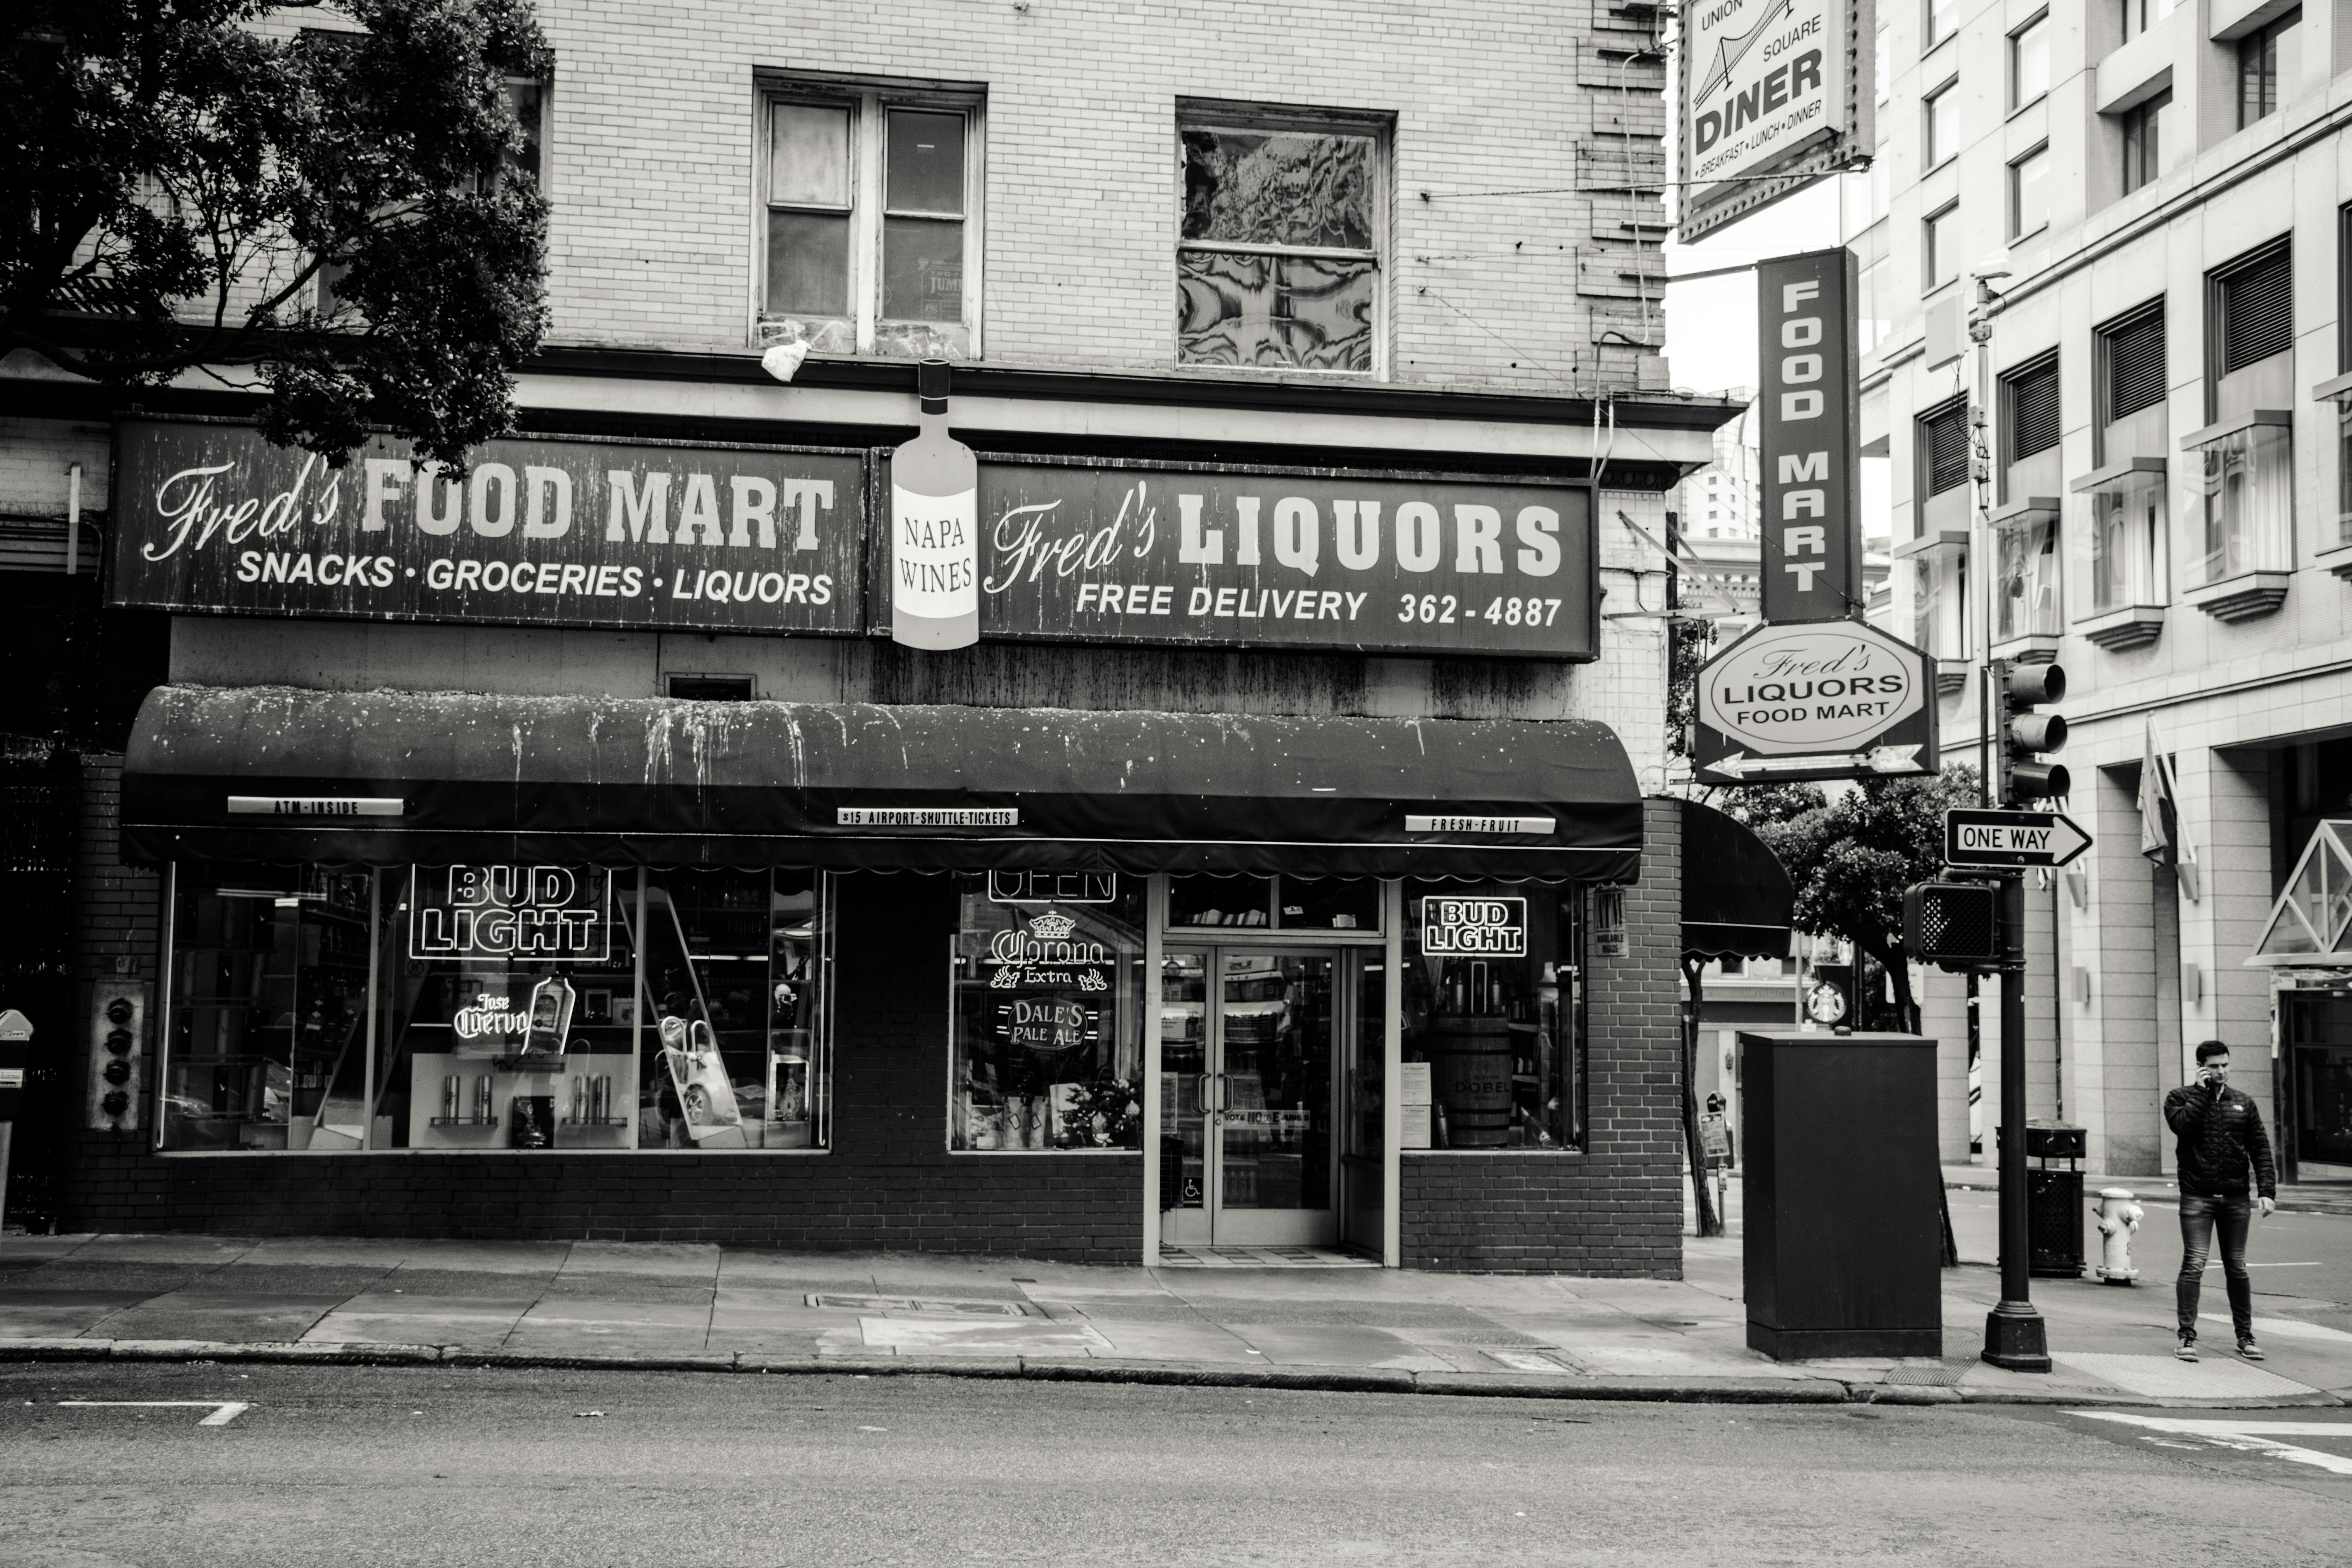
(1834, 700)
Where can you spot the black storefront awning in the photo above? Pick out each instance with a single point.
(391, 777)
(1735, 894)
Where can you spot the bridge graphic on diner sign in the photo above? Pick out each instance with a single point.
(1733, 47)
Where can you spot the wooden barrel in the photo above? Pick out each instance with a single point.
(1470, 1076)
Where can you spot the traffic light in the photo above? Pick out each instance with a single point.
(2021, 734)
(1952, 925)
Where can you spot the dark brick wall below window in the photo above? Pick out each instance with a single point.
(1612, 1209)
(1616, 1208)
(889, 1183)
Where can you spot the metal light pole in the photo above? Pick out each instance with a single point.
(2015, 1335)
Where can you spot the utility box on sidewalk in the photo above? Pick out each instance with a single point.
(1843, 1249)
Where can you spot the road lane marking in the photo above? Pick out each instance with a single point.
(2245, 1436)
(223, 1411)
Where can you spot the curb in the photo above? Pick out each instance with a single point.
(1727, 1390)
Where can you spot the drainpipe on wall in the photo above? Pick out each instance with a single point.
(73, 518)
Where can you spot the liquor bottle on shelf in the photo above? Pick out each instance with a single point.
(934, 528)
(551, 1001)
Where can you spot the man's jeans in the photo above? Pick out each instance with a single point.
(2198, 1218)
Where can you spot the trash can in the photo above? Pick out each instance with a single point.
(1842, 1244)
(2053, 1199)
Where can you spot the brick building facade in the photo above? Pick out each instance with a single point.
(1087, 175)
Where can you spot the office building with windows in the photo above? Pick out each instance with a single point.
(2164, 191)
(566, 848)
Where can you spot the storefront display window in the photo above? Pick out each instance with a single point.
(496, 1008)
(268, 1034)
(1048, 1030)
(1491, 1008)
(1288, 903)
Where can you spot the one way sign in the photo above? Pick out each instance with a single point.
(1985, 838)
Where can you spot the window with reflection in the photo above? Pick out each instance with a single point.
(267, 1046)
(464, 1009)
(1277, 261)
(1492, 1017)
(869, 237)
(1047, 1047)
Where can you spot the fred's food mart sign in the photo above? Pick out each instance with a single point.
(654, 536)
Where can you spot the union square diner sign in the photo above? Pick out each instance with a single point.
(576, 532)
(1822, 700)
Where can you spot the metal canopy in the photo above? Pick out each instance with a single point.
(2309, 925)
(390, 777)
(1737, 896)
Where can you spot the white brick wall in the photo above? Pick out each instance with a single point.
(651, 149)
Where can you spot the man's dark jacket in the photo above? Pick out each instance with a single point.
(2221, 1133)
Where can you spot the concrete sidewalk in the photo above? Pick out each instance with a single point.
(724, 1308)
(2307, 1198)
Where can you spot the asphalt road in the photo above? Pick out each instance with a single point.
(353, 1467)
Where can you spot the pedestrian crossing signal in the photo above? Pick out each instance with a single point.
(1952, 925)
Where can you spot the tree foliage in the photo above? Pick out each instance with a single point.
(1852, 857)
(1689, 646)
(180, 179)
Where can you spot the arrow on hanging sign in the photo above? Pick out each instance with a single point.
(1739, 767)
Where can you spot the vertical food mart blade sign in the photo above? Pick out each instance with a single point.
(1807, 444)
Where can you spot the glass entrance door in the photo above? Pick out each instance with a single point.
(1246, 1039)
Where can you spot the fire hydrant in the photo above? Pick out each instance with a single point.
(2118, 1217)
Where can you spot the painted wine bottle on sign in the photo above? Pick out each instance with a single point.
(934, 528)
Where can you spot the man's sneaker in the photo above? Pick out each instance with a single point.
(2187, 1349)
(2251, 1350)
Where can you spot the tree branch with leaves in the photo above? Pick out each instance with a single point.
(1851, 857)
(338, 220)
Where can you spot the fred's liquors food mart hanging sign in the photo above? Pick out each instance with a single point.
(577, 532)
(656, 536)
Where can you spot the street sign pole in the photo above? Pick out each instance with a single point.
(2015, 1336)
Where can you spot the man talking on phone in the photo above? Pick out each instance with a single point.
(2221, 1135)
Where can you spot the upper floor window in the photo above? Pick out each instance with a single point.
(2122, 555)
(1939, 254)
(2029, 192)
(2143, 154)
(2129, 385)
(2252, 302)
(870, 235)
(2139, 16)
(1942, 124)
(1943, 20)
(1278, 255)
(2030, 429)
(2258, 67)
(2029, 62)
(1944, 450)
(2247, 471)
